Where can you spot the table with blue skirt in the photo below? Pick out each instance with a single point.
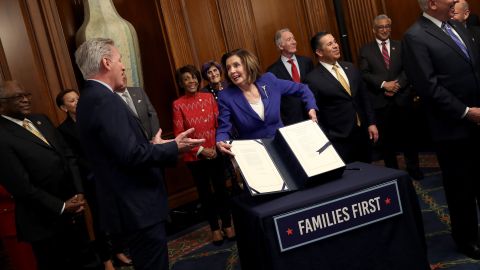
(393, 242)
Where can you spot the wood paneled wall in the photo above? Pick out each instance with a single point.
(37, 43)
(202, 30)
(359, 15)
(34, 52)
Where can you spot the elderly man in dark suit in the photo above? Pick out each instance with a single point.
(462, 14)
(142, 108)
(293, 67)
(345, 112)
(41, 174)
(442, 63)
(390, 93)
(128, 167)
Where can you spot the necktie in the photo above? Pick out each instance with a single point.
(342, 80)
(447, 29)
(129, 102)
(295, 74)
(29, 126)
(386, 57)
(345, 85)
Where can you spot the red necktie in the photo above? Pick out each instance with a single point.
(295, 74)
(385, 55)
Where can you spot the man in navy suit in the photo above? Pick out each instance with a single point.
(344, 109)
(129, 169)
(42, 175)
(290, 67)
(442, 63)
(390, 93)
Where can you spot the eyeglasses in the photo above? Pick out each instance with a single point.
(386, 27)
(19, 97)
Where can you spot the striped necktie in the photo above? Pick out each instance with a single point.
(386, 56)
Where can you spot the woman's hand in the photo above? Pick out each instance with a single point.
(313, 115)
(209, 153)
(224, 148)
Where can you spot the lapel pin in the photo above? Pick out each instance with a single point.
(38, 123)
(138, 101)
(264, 90)
(393, 48)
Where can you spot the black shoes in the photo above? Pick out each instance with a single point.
(415, 173)
(470, 250)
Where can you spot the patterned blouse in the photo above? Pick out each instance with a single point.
(199, 111)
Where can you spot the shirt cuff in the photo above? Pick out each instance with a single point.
(63, 208)
(381, 86)
(200, 149)
(465, 113)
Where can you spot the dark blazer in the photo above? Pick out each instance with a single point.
(292, 109)
(337, 109)
(146, 112)
(69, 131)
(236, 112)
(446, 80)
(374, 72)
(128, 169)
(39, 176)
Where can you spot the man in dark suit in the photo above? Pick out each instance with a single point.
(290, 67)
(345, 112)
(41, 174)
(143, 108)
(128, 168)
(443, 65)
(390, 93)
(462, 14)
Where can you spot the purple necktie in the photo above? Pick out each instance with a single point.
(446, 27)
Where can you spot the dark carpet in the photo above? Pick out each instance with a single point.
(192, 250)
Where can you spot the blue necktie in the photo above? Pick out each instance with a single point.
(455, 38)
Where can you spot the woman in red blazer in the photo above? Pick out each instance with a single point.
(199, 110)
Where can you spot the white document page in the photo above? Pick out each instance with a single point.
(307, 141)
(257, 167)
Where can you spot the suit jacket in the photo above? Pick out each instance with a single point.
(69, 131)
(337, 109)
(374, 72)
(236, 112)
(39, 176)
(443, 76)
(128, 169)
(292, 109)
(146, 112)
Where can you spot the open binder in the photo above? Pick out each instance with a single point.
(299, 155)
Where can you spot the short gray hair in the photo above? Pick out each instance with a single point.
(423, 4)
(381, 17)
(464, 5)
(89, 55)
(278, 36)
